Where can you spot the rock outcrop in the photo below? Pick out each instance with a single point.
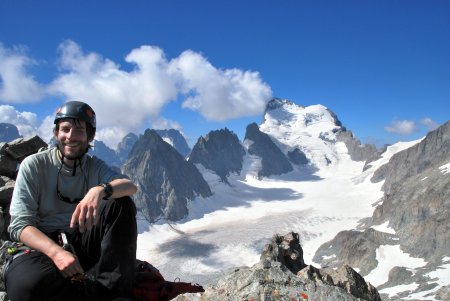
(354, 248)
(281, 274)
(273, 161)
(298, 157)
(166, 180)
(220, 151)
(357, 150)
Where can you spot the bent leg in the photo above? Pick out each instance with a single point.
(109, 249)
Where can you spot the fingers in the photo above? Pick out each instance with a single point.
(85, 216)
(74, 218)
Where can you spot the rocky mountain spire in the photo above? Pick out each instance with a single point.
(166, 181)
(220, 151)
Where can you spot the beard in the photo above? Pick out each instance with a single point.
(73, 154)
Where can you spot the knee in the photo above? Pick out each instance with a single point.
(126, 204)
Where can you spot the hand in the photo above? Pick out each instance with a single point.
(86, 212)
(67, 263)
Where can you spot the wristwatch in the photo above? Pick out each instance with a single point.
(108, 189)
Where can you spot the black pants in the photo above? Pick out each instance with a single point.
(108, 252)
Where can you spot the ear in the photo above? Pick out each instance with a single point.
(55, 132)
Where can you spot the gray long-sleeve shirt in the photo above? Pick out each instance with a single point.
(35, 201)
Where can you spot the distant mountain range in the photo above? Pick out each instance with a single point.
(8, 132)
(119, 156)
(403, 210)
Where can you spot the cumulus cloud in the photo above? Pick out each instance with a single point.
(217, 94)
(16, 85)
(165, 124)
(429, 123)
(127, 100)
(120, 98)
(402, 127)
(111, 135)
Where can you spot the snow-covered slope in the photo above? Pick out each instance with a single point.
(229, 229)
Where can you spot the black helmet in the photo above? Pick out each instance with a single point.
(76, 110)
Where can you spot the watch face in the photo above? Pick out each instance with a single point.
(108, 190)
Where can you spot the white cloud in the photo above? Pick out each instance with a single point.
(126, 100)
(120, 99)
(429, 123)
(45, 129)
(16, 86)
(162, 123)
(217, 94)
(111, 135)
(402, 127)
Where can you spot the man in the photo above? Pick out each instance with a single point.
(62, 192)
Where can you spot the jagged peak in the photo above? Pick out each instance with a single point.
(224, 131)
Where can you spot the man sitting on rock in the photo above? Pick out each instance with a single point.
(76, 216)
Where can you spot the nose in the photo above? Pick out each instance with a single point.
(71, 134)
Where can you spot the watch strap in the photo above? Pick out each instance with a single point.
(108, 189)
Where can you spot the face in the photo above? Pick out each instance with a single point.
(72, 138)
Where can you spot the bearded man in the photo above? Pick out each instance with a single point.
(75, 215)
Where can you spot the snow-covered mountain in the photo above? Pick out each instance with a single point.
(329, 193)
(311, 129)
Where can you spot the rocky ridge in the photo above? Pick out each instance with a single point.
(281, 274)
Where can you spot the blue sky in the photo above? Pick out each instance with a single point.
(382, 66)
